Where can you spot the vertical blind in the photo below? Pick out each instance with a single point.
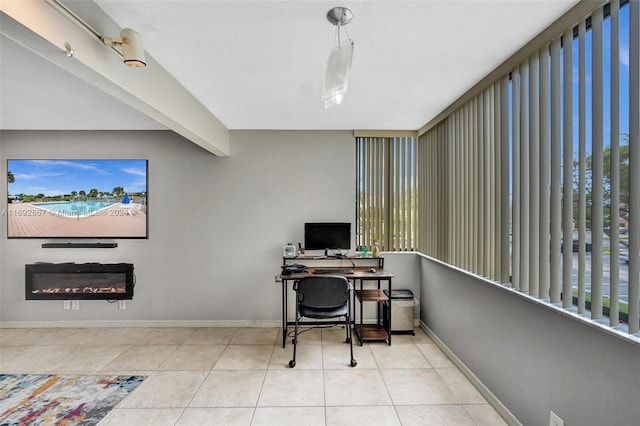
(464, 186)
(387, 192)
(535, 181)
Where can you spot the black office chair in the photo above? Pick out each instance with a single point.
(322, 297)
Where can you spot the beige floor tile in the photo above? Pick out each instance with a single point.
(141, 358)
(131, 372)
(435, 356)
(254, 336)
(289, 416)
(85, 359)
(34, 336)
(336, 335)
(165, 336)
(211, 336)
(8, 352)
(420, 337)
(7, 334)
(399, 356)
(69, 336)
(245, 357)
(308, 357)
(356, 386)
(461, 387)
(415, 386)
(193, 357)
(229, 388)
(35, 359)
(118, 336)
(165, 389)
(142, 417)
(241, 376)
(434, 415)
(308, 336)
(485, 415)
(292, 388)
(279, 337)
(336, 356)
(368, 415)
(77, 336)
(216, 417)
(401, 339)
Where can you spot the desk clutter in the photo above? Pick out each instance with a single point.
(293, 269)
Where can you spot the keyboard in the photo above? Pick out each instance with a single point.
(329, 271)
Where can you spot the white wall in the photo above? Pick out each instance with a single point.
(217, 225)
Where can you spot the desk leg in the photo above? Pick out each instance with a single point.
(354, 313)
(361, 335)
(389, 312)
(284, 313)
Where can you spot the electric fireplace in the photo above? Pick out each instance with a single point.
(68, 281)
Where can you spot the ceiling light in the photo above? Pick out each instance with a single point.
(69, 50)
(132, 50)
(339, 63)
(129, 41)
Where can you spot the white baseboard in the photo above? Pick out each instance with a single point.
(489, 396)
(150, 323)
(137, 323)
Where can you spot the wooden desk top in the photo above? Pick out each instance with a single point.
(359, 273)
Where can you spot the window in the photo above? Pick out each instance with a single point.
(386, 200)
(534, 182)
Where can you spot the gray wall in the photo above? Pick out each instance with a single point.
(217, 225)
(533, 358)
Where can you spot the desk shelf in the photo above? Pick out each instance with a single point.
(373, 332)
(371, 295)
(352, 261)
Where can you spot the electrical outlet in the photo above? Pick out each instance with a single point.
(555, 420)
(122, 304)
(66, 304)
(75, 305)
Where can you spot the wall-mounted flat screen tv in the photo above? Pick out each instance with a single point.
(327, 235)
(92, 198)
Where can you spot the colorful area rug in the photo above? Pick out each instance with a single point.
(45, 399)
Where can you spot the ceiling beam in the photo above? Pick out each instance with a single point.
(151, 90)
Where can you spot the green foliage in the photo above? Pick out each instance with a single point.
(623, 307)
(118, 191)
(606, 182)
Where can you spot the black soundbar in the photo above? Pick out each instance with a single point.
(79, 245)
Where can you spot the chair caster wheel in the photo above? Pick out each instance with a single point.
(354, 363)
(348, 341)
(293, 341)
(292, 364)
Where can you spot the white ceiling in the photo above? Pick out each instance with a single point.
(260, 64)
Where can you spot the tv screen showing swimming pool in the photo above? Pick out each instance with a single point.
(77, 198)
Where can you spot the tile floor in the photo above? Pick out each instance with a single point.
(240, 376)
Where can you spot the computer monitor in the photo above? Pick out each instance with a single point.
(327, 235)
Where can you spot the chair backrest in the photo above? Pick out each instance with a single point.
(323, 292)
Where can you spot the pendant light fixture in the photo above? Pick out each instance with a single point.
(339, 63)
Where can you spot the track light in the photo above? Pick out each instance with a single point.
(339, 63)
(132, 49)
